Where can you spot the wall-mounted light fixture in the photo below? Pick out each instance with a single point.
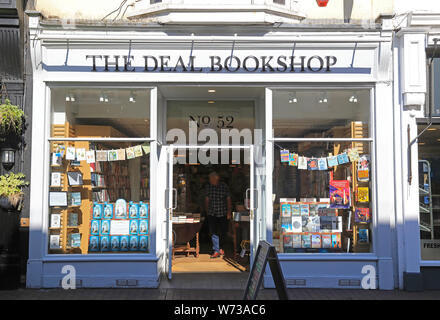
(8, 158)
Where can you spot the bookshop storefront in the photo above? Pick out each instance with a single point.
(122, 127)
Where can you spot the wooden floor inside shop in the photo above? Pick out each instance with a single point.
(204, 264)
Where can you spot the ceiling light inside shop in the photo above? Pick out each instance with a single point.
(293, 99)
(211, 102)
(132, 98)
(323, 98)
(70, 98)
(432, 129)
(103, 98)
(212, 91)
(353, 99)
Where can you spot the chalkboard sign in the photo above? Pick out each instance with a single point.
(265, 253)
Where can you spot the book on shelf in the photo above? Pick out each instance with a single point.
(74, 198)
(55, 180)
(75, 240)
(54, 241)
(75, 178)
(72, 219)
(55, 220)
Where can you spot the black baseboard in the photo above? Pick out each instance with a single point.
(412, 281)
(431, 278)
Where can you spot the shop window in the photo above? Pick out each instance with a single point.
(429, 195)
(102, 112)
(318, 114)
(322, 189)
(99, 188)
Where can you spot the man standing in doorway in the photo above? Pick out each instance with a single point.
(219, 208)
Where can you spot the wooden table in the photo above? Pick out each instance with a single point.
(183, 233)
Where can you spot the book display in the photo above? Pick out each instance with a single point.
(98, 195)
(322, 201)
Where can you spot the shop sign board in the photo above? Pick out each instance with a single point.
(430, 249)
(265, 253)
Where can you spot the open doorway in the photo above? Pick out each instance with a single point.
(192, 237)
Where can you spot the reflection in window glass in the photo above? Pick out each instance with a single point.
(322, 197)
(99, 197)
(101, 112)
(318, 114)
(429, 194)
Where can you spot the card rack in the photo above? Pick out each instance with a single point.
(83, 211)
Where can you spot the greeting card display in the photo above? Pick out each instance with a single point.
(284, 154)
(101, 155)
(302, 163)
(143, 243)
(124, 243)
(353, 154)
(114, 241)
(112, 155)
(105, 227)
(340, 194)
(70, 153)
(143, 227)
(293, 160)
(108, 211)
(95, 227)
(98, 210)
(121, 209)
(322, 164)
(55, 180)
(343, 158)
(94, 244)
(143, 210)
(312, 164)
(134, 243)
(133, 212)
(81, 154)
(105, 243)
(90, 156)
(134, 227)
(332, 161)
